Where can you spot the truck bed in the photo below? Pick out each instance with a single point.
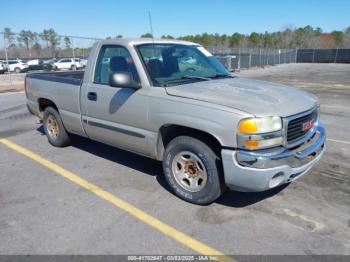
(62, 89)
(69, 77)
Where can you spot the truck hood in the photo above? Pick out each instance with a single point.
(256, 97)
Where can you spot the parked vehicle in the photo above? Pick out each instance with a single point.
(49, 65)
(211, 130)
(18, 66)
(35, 64)
(3, 67)
(83, 62)
(68, 63)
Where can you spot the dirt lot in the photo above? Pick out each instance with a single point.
(317, 77)
(42, 212)
(11, 83)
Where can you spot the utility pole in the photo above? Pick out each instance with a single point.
(7, 60)
(336, 56)
(75, 68)
(250, 58)
(279, 56)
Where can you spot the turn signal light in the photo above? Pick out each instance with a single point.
(248, 127)
(251, 143)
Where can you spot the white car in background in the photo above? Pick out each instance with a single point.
(17, 66)
(3, 67)
(33, 62)
(68, 63)
(83, 62)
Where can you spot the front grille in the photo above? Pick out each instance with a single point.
(295, 126)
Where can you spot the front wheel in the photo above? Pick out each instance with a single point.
(54, 129)
(18, 70)
(193, 171)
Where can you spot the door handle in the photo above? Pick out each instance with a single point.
(92, 96)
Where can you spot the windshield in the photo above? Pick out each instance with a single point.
(175, 64)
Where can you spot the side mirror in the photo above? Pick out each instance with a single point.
(124, 80)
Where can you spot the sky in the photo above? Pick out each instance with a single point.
(102, 18)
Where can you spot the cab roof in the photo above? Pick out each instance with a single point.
(139, 41)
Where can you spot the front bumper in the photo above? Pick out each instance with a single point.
(266, 169)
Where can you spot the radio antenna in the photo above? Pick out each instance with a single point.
(151, 27)
(150, 23)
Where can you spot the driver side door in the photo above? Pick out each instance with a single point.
(116, 116)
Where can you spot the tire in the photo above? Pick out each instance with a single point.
(73, 67)
(54, 129)
(17, 70)
(204, 191)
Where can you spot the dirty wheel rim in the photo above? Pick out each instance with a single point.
(52, 127)
(189, 171)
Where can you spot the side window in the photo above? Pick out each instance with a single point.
(113, 59)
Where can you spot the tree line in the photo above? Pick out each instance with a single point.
(48, 43)
(302, 37)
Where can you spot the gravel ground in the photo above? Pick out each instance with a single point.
(11, 83)
(318, 77)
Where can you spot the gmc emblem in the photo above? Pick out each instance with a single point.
(307, 125)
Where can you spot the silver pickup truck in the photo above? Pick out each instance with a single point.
(175, 102)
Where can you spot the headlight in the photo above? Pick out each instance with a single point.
(257, 133)
(260, 125)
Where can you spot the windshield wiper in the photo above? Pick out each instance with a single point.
(220, 75)
(184, 78)
(195, 77)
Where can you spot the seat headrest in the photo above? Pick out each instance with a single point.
(118, 63)
(155, 67)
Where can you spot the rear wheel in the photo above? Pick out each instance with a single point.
(192, 170)
(18, 70)
(73, 67)
(54, 129)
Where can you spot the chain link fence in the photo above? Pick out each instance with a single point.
(335, 55)
(239, 58)
(40, 46)
(27, 51)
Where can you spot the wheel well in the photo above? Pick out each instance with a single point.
(169, 132)
(43, 103)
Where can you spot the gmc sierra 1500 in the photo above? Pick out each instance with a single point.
(175, 102)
